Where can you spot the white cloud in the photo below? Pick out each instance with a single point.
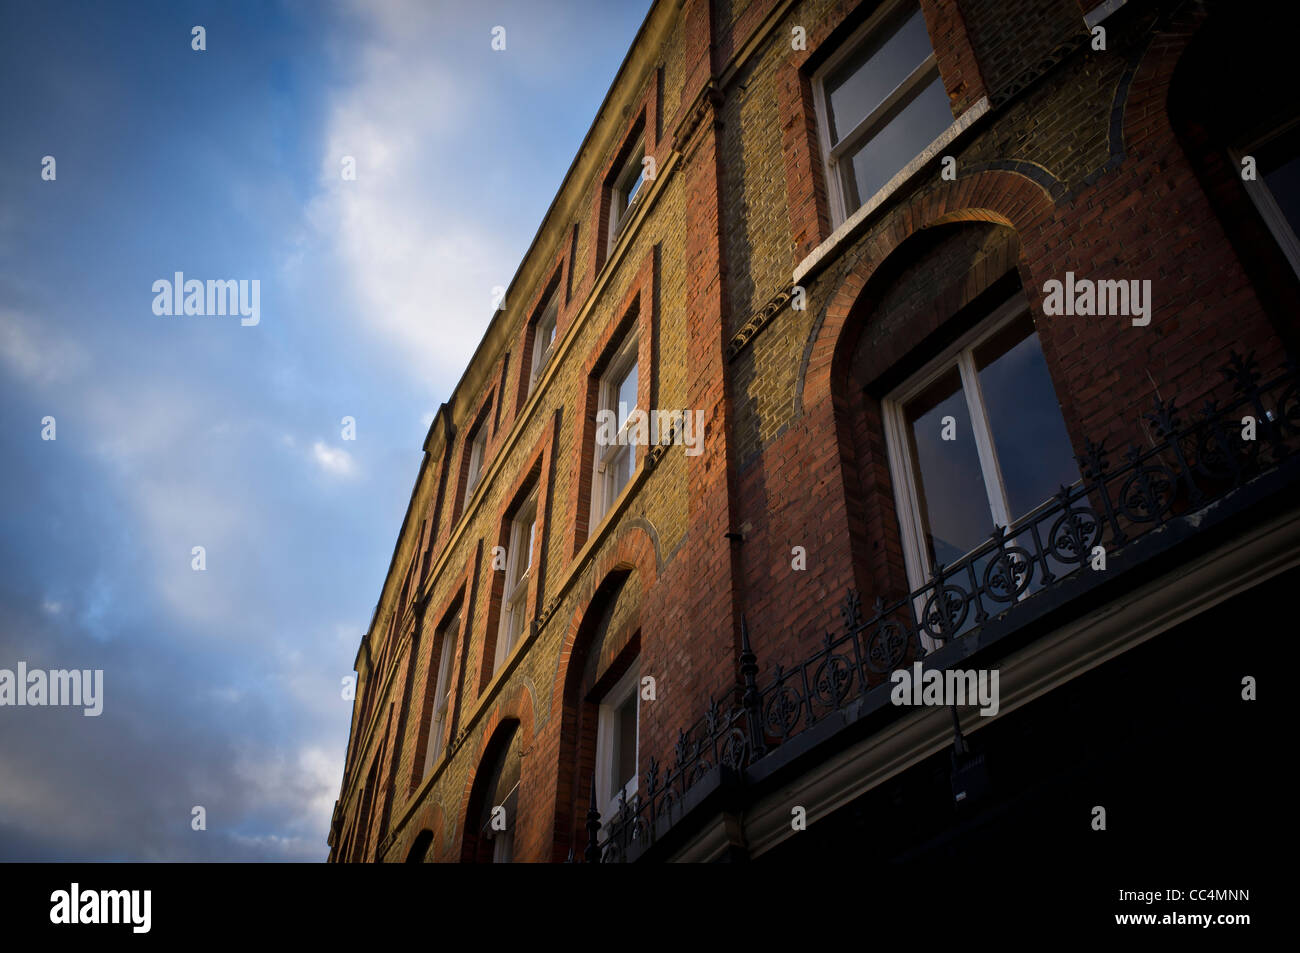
(333, 460)
(305, 782)
(415, 250)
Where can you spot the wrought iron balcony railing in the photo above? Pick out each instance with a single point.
(1193, 461)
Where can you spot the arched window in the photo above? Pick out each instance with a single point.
(420, 848)
(976, 440)
(600, 740)
(618, 743)
(493, 809)
(1232, 108)
(952, 415)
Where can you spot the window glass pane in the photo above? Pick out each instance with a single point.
(626, 395)
(522, 539)
(1279, 164)
(871, 74)
(502, 791)
(881, 157)
(619, 470)
(625, 743)
(476, 458)
(950, 485)
(625, 188)
(545, 337)
(442, 698)
(444, 661)
(636, 185)
(1033, 448)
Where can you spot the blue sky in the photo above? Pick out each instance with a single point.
(222, 687)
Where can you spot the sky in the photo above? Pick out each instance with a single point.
(222, 685)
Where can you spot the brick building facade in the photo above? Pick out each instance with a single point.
(833, 227)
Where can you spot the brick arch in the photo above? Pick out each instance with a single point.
(1190, 83)
(423, 841)
(1145, 107)
(1000, 197)
(635, 548)
(514, 707)
(515, 704)
(428, 818)
(634, 551)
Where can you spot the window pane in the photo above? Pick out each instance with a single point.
(525, 525)
(620, 470)
(626, 396)
(545, 337)
(1279, 164)
(625, 744)
(950, 485)
(871, 74)
(442, 698)
(1033, 448)
(476, 459)
(444, 659)
(899, 142)
(625, 188)
(636, 186)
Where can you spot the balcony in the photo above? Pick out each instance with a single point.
(1198, 479)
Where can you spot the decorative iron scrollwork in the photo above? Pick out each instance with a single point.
(781, 713)
(833, 680)
(1074, 534)
(945, 612)
(1008, 573)
(886, 647)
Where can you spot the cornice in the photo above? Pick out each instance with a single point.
(757, 321)
(706, 104)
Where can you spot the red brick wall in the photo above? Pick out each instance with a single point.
(1077, 167)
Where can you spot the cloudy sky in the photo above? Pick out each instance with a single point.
(222, 686)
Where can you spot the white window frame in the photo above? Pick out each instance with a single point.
(547, 326)
(503, 848)
(606, 459)
(503, 842)
(1262, 196)
(606, 732)
(910, 519)
(514, 600)
(834, 157)
(477, 452)
(626, 190)
(441, 695)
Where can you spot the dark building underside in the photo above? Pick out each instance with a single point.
(1160, 737)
